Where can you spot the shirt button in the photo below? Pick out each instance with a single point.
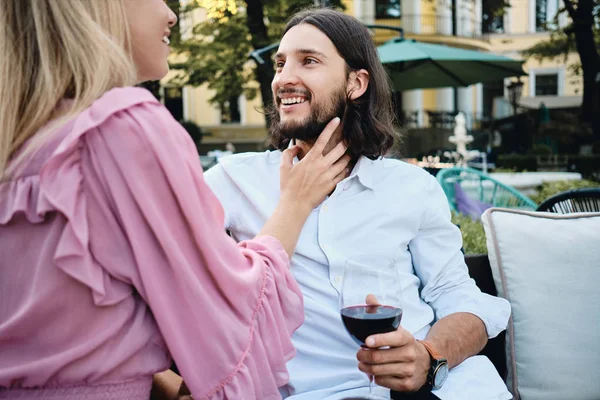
(325, 246)
(338, 279)
(325, 207)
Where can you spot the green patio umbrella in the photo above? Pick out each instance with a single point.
(418, 65)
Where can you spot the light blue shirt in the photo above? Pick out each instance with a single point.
(385, 207)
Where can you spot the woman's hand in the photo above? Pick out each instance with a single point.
(304, 186)
(308, 182)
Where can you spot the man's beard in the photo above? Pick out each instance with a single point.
(309, 129)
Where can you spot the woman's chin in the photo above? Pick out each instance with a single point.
(155, 75)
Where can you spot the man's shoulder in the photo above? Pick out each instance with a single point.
(241, 161)
(391, 168)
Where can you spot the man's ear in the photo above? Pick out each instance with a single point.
(358, 82)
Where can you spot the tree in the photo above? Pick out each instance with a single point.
(217, 55)
(581, 35)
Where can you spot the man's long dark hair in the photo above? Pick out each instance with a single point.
(369, 120)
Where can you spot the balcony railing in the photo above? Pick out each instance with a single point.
(441, 119)
(431, 24)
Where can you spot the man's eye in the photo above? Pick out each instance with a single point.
(279, 64)
(310, 61)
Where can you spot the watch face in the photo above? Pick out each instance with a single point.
(440, 376)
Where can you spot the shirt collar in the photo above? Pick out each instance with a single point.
(363, 169)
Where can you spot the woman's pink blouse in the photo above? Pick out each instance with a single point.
(113, 259)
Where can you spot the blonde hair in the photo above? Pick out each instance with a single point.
(54, 50)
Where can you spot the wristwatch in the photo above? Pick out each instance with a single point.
(438, 371)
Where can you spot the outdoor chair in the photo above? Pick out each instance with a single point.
(578, 200)
(458, 182)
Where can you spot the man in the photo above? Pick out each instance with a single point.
(327, 66)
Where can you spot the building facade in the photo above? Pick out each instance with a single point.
(459, 23)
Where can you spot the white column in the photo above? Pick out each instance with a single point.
(464, 16)
(411, 15)
(531, 84)
(531, 16)
(444, 14)
(358, 11)
(478, 17)
(561, 81)
(465, 100)
(445, 99)
(186, 99)
(465, 103)
(243, 103)
(367, 10)
(479, 98)
(412, 100)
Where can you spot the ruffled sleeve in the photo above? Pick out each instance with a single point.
(226, 311)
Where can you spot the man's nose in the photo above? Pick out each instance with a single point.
(287, 76)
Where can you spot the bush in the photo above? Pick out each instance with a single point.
(194, 131)
(549, 189)
(587, 166)
(472, 234)
(541, 149)
(517, 162)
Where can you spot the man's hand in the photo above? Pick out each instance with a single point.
(402, 367)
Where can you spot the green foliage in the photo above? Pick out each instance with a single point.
(548, 189)
(587, 165)
(517, 162)
(217, 55)
(565, 128)
(541, 149)
(562, 41)
(195, 132)
(472, 233)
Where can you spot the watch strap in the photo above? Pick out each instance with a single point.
(432, 352)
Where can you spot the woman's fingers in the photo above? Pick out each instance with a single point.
(335, 154)
(339, 167)
(323, 139)
(287, 156)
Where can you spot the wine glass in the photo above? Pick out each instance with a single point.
(370, 275)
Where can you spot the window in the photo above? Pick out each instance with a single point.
(546, 85)
(387, 9)
(541, 15)
(545, 13)
(492, 18)
(230, 111)
(174, 102)
(492, 24)
(491, 90)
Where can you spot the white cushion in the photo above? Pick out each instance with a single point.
(548, 267)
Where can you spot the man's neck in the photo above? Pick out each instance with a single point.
(333, 141)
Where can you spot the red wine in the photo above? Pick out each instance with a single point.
(363, 321)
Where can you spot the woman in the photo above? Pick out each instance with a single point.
(112, 252)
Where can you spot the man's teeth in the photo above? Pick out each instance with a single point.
(293, 100)
(166, 40)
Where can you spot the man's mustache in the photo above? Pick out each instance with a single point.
(302, 92)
